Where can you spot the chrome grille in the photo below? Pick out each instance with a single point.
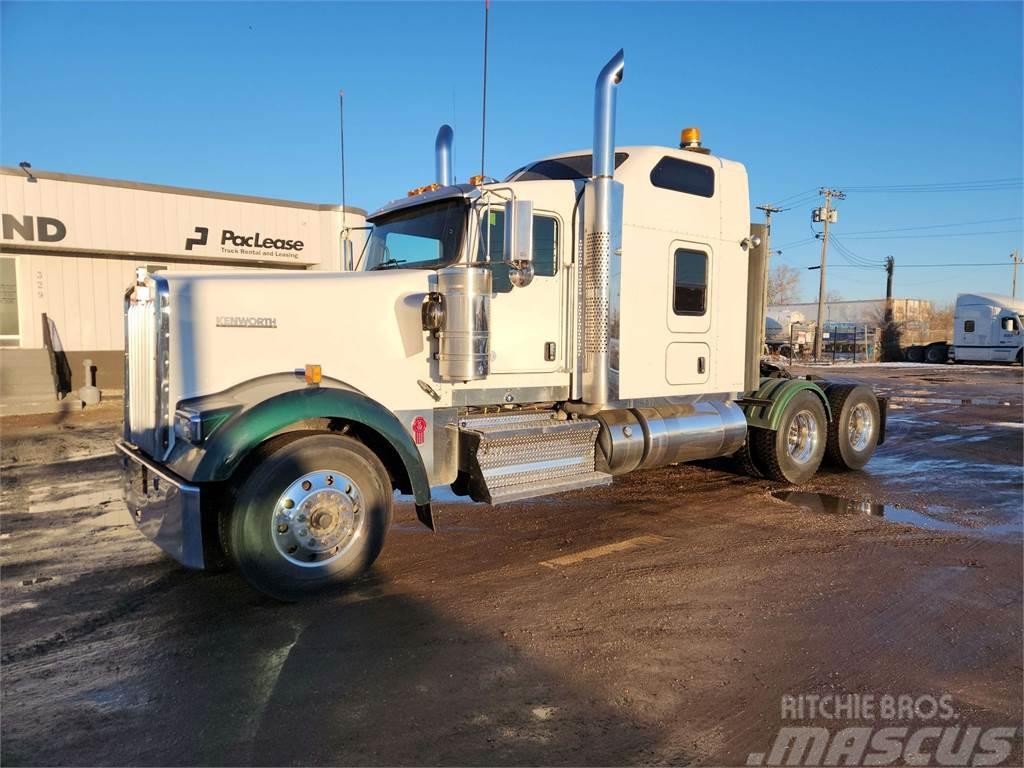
(146, 417)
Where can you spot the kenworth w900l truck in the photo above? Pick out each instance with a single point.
(593, 314)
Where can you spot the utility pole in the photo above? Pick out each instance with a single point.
(1016, 260)
(890, 339)
(768, 210)
(827, 215)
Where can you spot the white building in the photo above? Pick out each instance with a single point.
(870, 312)
(70, 246)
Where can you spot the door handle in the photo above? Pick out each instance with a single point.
(700, 365)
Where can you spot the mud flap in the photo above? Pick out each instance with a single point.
(883, 412)
(425, 516)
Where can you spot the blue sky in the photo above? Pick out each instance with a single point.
(242, 97)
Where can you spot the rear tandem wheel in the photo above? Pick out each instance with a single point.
(793, 452)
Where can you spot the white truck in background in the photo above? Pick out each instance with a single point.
(593, 314)
(986, 329)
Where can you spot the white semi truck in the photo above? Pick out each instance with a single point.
(593, 314)
(987, 328)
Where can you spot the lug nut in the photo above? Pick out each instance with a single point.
(303, 532)
(288, 503)
(282, 528)
(292, 549)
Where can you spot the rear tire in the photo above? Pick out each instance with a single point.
(915, 354)
(312, 513)
(856, 420)
(936, 353)
(744, 457)
(793, 452)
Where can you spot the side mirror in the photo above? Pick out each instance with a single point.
(519, 241)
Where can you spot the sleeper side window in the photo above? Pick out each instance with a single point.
(545, 248)
(682, 176)
(690, 282)
(968, 326)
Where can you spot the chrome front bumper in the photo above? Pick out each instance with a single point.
(164, 507)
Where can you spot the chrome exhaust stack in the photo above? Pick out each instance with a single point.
(602, 245)
(443, 174)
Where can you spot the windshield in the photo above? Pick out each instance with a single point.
(425, 237)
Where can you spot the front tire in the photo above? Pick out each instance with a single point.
(312, 513)
(793, 452)
(856, 420)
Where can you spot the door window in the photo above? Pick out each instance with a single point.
(545, 248)
(9, 328)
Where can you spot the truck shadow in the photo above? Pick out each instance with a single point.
(200, 671)
(376, 677)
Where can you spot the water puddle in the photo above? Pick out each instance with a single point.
(960, 439)
(937, 518)
(928, 400)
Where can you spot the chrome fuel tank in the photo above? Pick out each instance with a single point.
(642, 438)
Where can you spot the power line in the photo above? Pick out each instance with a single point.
(799, 242)
(942, 234)
(977, 264)
(933, 226)
(812, 192)
(933, 266)
(943, 186)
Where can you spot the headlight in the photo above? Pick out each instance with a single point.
(188, 426)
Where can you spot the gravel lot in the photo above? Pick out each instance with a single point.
(682, 603)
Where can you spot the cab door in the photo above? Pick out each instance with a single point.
(528, 329)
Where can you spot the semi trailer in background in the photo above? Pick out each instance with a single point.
(594, 313)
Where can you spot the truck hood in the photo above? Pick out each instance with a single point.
(362, 328)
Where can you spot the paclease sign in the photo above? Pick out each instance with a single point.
(255, 241)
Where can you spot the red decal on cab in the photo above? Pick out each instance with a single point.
(419, 429)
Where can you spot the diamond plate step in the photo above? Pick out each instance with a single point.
(509, 457)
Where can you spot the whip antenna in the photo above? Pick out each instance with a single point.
(483, 119)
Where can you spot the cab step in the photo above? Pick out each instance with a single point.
(508, 457)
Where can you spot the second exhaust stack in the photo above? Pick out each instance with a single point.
(443, 156)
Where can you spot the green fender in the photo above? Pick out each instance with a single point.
(254, 422)
(777, 393)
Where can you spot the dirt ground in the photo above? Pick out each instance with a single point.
(687, 601)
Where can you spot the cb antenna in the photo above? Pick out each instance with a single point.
(483, 119)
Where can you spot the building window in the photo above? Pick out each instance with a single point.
(682, 176)
(545, 248)
(9, 329)
(968, 326)
(690, 282)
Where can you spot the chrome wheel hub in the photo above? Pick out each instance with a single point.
(860, 427)
(317, 518)
(802, 437)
